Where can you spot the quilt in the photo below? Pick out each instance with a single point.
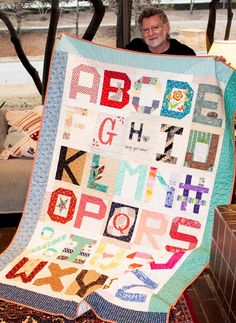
(135, 152)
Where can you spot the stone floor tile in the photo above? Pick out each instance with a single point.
(202, 288)
(213, 311)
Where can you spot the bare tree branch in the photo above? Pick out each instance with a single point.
(20, 52)
(211, 23)
(2, 104)
(99, 12)
(54, 18)
(229, 19)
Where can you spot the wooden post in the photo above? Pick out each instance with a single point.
(125, 21)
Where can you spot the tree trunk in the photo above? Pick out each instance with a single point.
(54, 18)
(99, 12)
(229, 19)
(77, 20)
(20, 53)
(211, 23)
(18, 27)
(123, 27)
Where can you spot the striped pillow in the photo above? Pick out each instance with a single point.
(23, 132)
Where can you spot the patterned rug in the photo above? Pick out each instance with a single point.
(12, 313)
(135, 152)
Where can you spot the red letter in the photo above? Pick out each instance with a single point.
(25, 279)
(75, 87)
(67, 201)
(83, 212)
(109, 133)
(120, 97)
(183, 236)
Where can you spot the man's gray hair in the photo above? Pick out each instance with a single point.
(152, 11)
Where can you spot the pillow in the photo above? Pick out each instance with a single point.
(23, 132)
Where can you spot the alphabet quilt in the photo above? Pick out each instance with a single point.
(135, 153)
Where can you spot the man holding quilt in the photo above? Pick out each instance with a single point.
(154, 26)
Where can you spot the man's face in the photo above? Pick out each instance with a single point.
(154, 32)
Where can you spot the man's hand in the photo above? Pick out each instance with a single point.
(221, 59)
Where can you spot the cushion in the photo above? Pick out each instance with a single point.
(14, 181)
(21, 139)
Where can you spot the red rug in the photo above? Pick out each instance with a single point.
(12, 313)
(183, 312)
